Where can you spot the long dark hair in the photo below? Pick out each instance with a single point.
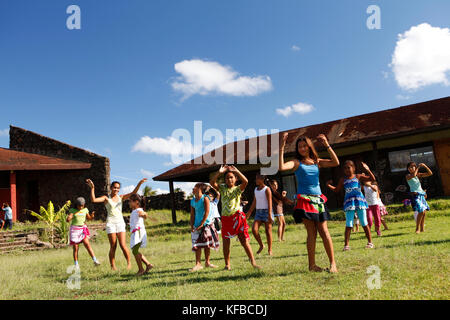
(312, 150)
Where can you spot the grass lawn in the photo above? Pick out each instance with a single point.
(412, 267)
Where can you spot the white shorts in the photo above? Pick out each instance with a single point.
(112, 227)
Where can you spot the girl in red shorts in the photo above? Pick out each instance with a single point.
(234, 221)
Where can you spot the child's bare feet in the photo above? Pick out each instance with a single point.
(270, 253)
(149, 266)
(333, 269)
(315, 269)
(129, 266)
(417, 231)
(261, 248)
(210, 265)
(113, 268)
(140, 273)
(196, 268)
(228, 268)
(254, 265)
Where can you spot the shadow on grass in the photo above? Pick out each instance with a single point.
(418, 243)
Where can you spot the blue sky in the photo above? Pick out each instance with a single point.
(109, 84)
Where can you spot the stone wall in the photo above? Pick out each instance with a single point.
(59, 185)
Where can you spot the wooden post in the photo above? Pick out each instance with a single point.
(172, 197)
(12, 184)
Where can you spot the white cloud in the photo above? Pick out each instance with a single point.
(422, 57)
(185, 186)
(4, 133)
(402, 97)
(164, 146)
(210, 77)
(147, 174)
(161, 191)
(130, 188)
(300, 107)
(295, 48)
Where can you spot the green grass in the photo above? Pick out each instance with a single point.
(412, 266)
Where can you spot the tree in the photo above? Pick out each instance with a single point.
(50, 217)
(148, 191)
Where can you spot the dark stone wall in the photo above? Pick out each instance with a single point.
(59, 185)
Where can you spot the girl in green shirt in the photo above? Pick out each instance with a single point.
(79, 233)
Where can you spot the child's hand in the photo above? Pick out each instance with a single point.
(223, 168)
(283, 193)
(284, 138)
(365, 166)
(143, 181)
(90, 183)
(323, 139)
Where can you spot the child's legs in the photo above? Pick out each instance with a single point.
(377, 217)
(322, 228)
(112, 248)
(88, 247)
(284, 226)
(207, 255)
(419, 221)
(280, 227)
(138, 256)
(226, 251)
(75, 252)
(311, 231)
(422, 221)
(255, 231)
(268, 227)
(248, 249)
(198, 256)
(121, 236)
(349, 218)
(370, 215)
(362, 215)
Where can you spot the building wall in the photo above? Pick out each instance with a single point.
(60, 185)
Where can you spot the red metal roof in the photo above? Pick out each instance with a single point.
(17, 160)
(416, 118)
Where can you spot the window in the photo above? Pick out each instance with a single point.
(399, 159)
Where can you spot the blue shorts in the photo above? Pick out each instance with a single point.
(262, 215)
(350, 216)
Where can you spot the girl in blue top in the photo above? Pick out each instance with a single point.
(419, 203)
(311, 208)
(203, 232)
(354, 200)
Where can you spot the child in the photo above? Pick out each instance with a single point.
(278, 204)
(371, 193)
(8, 216)
(78, 232)
(262, 201)
(234, 221)
(203, 231)
(354, 201)
(214, 197)
(138, 233)
(383, 210)
(419, 202)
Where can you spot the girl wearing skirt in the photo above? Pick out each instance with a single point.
(419, 203)
(78, 232)
(354, 200)
(310, 207)
(203, 232)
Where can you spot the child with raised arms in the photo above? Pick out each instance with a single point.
(234, 221)
(354, 201)
(78, 232)
(419, 202)
(277, 201)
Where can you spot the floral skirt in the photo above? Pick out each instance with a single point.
(207, 237)
(419, 203)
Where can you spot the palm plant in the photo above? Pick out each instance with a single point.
(148, 191)
(50, 217)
